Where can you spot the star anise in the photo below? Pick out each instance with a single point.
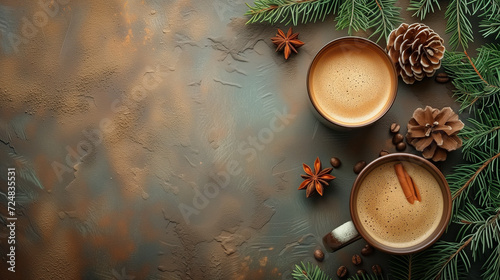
(287, 42)
(317, 180)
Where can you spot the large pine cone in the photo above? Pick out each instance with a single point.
(434, 132)
(416, 50)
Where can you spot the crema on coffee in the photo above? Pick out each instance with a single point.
(387, 216)
(352, 84)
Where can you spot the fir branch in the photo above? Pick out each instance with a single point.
(291, 11)
(353, 16)
(482, 225)
(477, 80)
(458, 24)
(458, 194)
(489, 7)
(422, 7)
(313, 272)
(308, 272)
(477, 71)
(484, 228)
(492, 265)
(450, 260)
(402, 267)
(491, 26)
(449, 268)
(481, 135)
(385, 17)
(444, 260)
(490, 23)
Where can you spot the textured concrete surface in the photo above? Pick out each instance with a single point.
(165, 139)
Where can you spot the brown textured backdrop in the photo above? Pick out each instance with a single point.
(164, 140)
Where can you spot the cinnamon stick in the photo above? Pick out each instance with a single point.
(417, 192)
(403, 181)
(410, 183)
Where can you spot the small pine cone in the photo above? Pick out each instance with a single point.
(416, 50)
(434, 132)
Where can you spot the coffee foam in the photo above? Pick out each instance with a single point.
(352, 85)
(388, 217)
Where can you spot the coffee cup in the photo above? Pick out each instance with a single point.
(382, 214)
(351, 83)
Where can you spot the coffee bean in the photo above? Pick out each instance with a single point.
(397, 138)
(401, 146)
(367, 250)
(342, 271)
(361, 272)
(356, 259)
(442, 78)
(383, 153)
(395, 127)
(377, 270)
(335, 162)
(359, 166)
(319, 255)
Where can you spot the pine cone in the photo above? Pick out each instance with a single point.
(416, 51)
(434, 132)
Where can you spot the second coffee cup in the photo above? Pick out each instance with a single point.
(384, 216)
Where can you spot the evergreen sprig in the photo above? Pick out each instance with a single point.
(380, 15)
(482, 227)
(313, 272)
(290, 11)
(353, 15)
(458, 13)
(458, 24)
(476, 80)
(308, 272)
(490, 23)
(422, 7)
(484, 131)
(491, 26)
(447, 260)
(492, 266)
(479, 234)
(481, 148)
(385, 18)
(407, 266)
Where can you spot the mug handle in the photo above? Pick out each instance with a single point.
(340, 237)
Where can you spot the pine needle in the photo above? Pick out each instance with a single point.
(477, 80)
(490, 17)
(308, 272)
(289, 11)
(313, 272)
(423, 7)
(458, 24)
(353, 16)
(492, 265)
(385, 17)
